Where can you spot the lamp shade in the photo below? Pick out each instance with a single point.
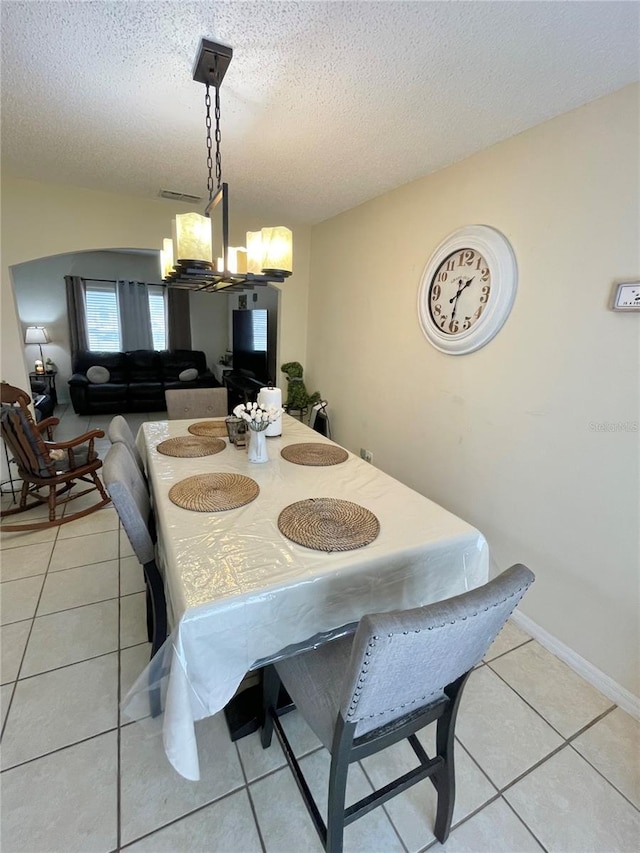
(237, 259)
(36, 335)
(254, 252)
(166, 257)
(277, 250)
(192, 239)
(270, 251)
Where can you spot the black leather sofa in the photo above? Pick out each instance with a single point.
(137, 380)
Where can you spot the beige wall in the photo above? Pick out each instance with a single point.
(503, 437)
(39, 220)
(209, 327)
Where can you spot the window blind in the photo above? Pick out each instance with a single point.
(259, 329)
(103, 322)
(158, 311)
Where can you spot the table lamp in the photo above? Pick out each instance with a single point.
(37, 335)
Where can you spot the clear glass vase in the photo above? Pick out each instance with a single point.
(258, 445)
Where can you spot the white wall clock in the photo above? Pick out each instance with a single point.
(467, 289)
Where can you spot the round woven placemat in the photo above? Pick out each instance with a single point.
(328, 524)
(211, 429)
(314, 453)
(190, 445)
(214, 492)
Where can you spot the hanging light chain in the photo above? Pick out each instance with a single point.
(218, 134)
(207, 103)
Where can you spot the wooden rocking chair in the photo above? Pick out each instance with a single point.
(49, 469)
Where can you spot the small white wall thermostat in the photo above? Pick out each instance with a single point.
(626, 296)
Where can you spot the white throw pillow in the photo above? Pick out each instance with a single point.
(98, 375)
(188, 375)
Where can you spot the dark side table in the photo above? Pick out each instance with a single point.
(49, 380)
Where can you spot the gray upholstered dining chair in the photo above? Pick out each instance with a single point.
(120, 431)
(196, 403)
(398, 673)
(130, 497)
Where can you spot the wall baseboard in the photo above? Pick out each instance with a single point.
(602, 682)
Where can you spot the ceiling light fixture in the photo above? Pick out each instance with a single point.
(187, 259)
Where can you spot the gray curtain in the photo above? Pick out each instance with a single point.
(135, 317)
(179, 320)
(76, 311)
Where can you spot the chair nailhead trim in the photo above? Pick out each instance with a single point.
(371, 645)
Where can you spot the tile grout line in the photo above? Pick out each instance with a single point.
(384, 807)
(71, 663)
(512, 649)
(600, 773)
(285, 766)
(459, 743)
(119, 719)
(592, 723)
(181, 817)
(26, 645)
(86, 604)
(533, 767)
(492, 799)
(524, 823)
(436, 844)
(58, 749)
(250, 798)
(529, 705)
(568, 741)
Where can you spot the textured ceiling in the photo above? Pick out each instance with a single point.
(325, 104)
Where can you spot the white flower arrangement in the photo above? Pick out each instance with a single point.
(257, 417)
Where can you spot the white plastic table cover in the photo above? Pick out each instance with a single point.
(238, 591)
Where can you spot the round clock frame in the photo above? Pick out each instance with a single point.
(491, 289)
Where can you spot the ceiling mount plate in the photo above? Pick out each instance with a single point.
(204, 67)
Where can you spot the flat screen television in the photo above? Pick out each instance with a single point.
(250, 336)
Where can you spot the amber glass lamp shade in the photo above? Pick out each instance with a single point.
(270, 250)
(166, 257)
(192, 239)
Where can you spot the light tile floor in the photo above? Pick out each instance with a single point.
(544, 761)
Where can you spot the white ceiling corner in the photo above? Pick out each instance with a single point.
(325, 104)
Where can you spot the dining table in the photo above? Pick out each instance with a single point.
(241, 593)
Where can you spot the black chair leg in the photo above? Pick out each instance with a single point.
(156, 606)
(270, 693)
(157, 629)
(445, 780)
(149, 616)
(156, 673)
(340, 752)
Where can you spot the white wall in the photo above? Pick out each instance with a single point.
(503, 437)
(209, 331)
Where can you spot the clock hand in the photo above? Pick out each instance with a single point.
(457, 296)
(460, 289)
(454, 299)
(466, 284)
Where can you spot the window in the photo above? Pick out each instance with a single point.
(157, 309)
(103, 317)
(259, 323)
(103, 321)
